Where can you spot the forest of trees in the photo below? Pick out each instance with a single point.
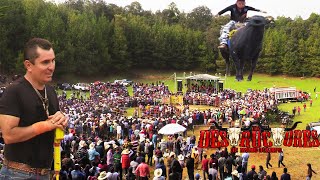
(93, 36)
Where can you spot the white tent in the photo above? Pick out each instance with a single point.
(171, 129)
(203, 77)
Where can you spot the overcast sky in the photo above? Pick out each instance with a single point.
(287, 8)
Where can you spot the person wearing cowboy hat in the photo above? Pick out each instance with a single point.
(161, 165)
(82, 153)
(158, 175)
(99, 148)
(175, 166)
(125, 160)
(102, 175)
(109, 155)
(190, 166)
(195, 155)
(93, 154)
(181, 161)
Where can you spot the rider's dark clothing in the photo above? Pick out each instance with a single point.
(237, 15)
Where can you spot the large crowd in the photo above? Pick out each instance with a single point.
(101, 142)
(102, 139)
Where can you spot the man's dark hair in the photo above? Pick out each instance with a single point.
(285, 170)
(30, 49)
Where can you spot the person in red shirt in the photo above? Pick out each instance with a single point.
(299, 110)
(143, 171)
(205, 166)
(125, 160)
(213, 160)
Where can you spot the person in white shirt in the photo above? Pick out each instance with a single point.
(245, 158)
(119, 131)
(213, 171)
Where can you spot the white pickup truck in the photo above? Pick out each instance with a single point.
(81, 86)
(124, 82)
(315, 126)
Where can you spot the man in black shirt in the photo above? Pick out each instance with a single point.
(238, 14)
(285, 175)
(190, 166)
(29, 114)
(252, 172)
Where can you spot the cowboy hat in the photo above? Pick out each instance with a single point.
(82, 143)
(141, 139)
(235, 173)
(180, 157)
(99, 142)
(172, 154)
(115, 146)
(125, 151)
(103, 175)
(165, 154)
(106, 145)
(91, 146)
(158, 172)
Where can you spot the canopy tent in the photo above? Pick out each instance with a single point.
(203, 77)
(206, 80)
(170, 129)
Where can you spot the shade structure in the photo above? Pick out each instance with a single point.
(171, 129)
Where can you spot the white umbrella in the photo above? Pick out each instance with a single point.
(171, 129)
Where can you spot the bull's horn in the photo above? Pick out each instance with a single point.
(219, 127)
(293, 127)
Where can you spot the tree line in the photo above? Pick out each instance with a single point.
(92, 36)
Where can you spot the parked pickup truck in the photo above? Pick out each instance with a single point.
(81, 86)
(124, 82)
(314, 126)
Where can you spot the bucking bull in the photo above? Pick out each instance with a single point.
(245, 45)
(277, 133)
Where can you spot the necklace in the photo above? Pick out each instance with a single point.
(45, 100)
